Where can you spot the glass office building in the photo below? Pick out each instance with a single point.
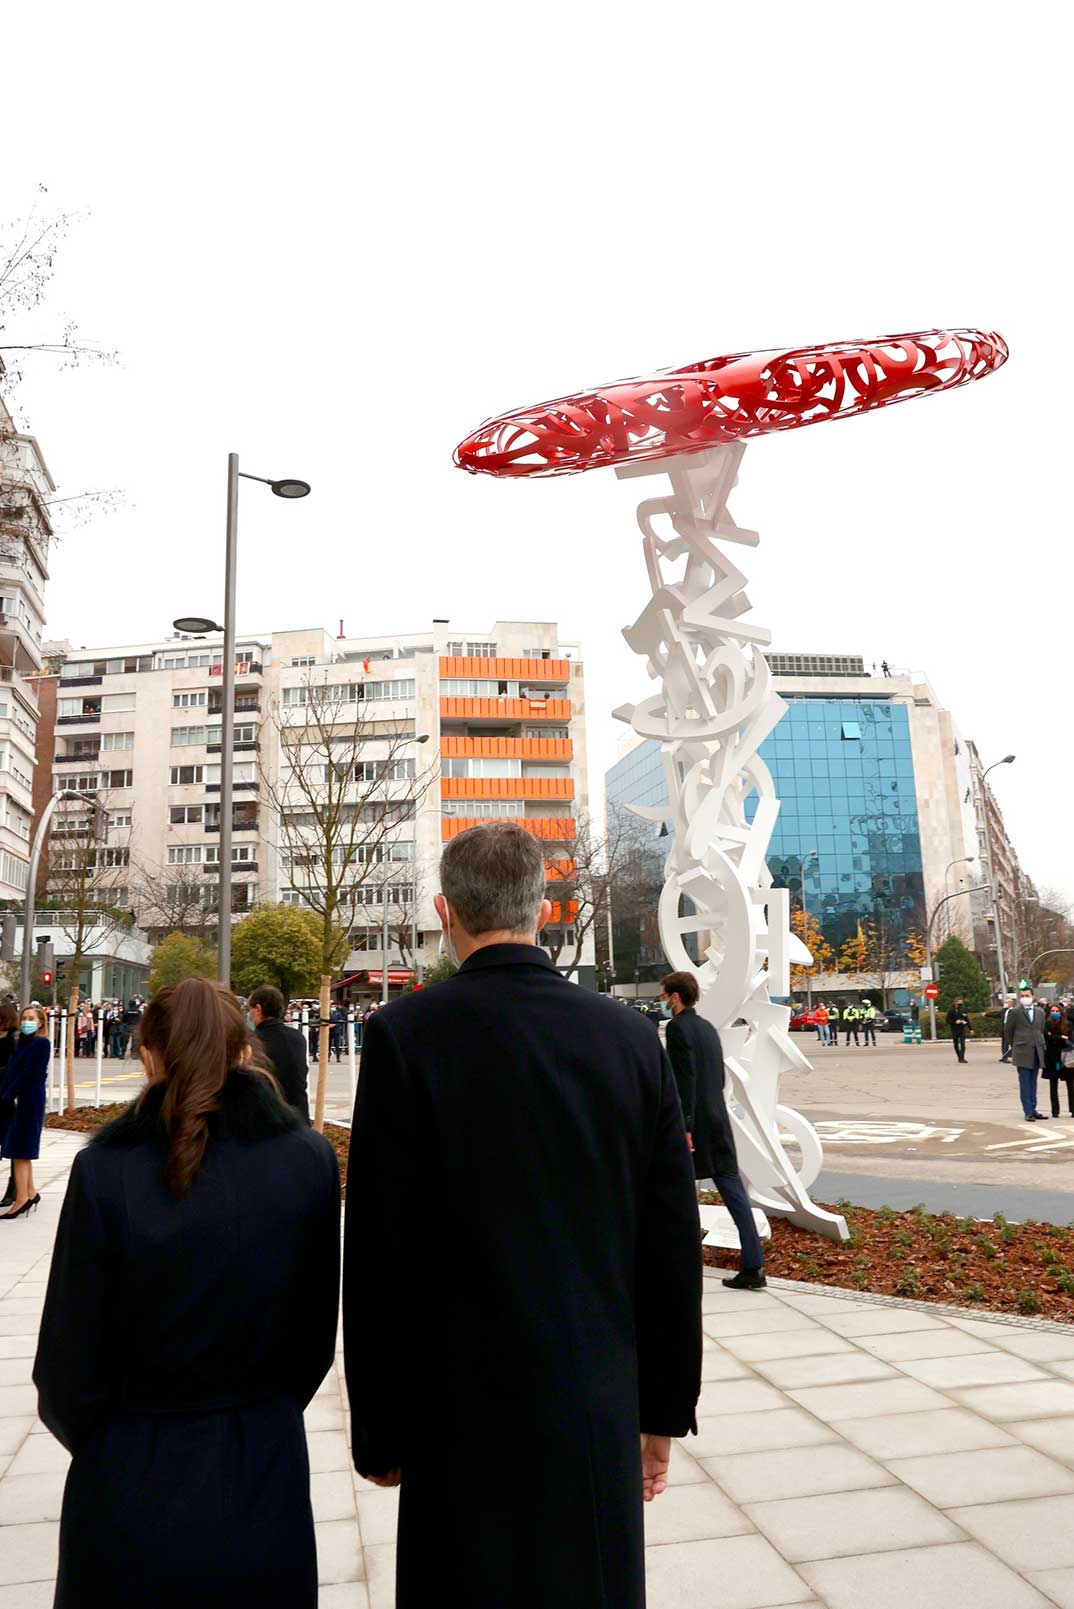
(844, 773)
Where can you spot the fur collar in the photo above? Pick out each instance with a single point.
(250, 1109)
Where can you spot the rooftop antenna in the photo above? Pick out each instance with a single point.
(341, 631)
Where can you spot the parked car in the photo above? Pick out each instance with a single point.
(892, 1022)
(803, 1019)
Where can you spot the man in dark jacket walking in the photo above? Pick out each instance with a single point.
(697, 1062)
(538, 1126)
(285, 1047)
(958, 1020)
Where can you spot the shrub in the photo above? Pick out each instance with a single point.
(986, 1249)
(960, 973)
(884, 1214)
(1065, 1282)
(974, 1293)
(1028, 1301)
(909, 1284)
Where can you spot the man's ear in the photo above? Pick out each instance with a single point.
(440, 905)
(544, 913)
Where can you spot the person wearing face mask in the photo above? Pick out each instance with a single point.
(1057, 1042)
(24, 1082)
(1023, 1040)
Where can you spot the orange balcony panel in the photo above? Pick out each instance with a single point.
(506, 748)
(557, 909)
(514, 670)
(548, 827)
(559, 871)
(507, 788)
(505, 709)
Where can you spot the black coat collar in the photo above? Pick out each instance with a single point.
(508, 955)
(249, 1109)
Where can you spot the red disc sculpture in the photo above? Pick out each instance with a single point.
(721, 400)
(720, 913)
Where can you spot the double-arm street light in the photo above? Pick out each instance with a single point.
(198, 624)
(101, 823)
(936, 909)
(1008, 759)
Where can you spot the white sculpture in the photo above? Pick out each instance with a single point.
(715, 707)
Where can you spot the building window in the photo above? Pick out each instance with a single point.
(117, 779)
(113, 857)
(184, 775)
(478, 808)
(538, 653)
(482, 768)
(115, 703)
(119, 818)
(187, 734)
(472, 687)
(243, 734)
(240, 853)
(186, 815)
(190, 701)
(851, 730)
(384, 770)
(561, 732)
(304, 659)
(117, 740)
(246, 771)
(185, 854)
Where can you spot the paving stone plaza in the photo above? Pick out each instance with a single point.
(851, 1452)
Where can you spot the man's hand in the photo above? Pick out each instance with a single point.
(655, 1457)
(689, 1139)
(392, 1478)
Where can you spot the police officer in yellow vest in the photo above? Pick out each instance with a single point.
(833, 1023)
(868, 1021)
(851, 1019)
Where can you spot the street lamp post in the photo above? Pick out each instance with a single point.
(811, 854)
(198, 624)
(31, 885)
(1008, 759)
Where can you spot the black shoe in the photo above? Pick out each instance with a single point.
(8, 1199)
(24, 1211)
(750, 1279)
(1041, 1117)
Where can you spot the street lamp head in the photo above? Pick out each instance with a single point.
(423, 737)
(1008, 759)
(195, 625)
(290, 488)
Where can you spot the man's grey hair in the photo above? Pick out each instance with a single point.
(493, 876)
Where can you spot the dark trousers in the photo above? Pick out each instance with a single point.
(958, 1039)
(868, 1029)
(733, 1194)
(1053, 1086)
(852, 1028)
(1027, 1088)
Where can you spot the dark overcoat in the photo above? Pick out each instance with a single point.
(522, 1218)
(697, 1061)
(24, 1081)
(1023, 1036)
(286, 1050)
(181, 1341)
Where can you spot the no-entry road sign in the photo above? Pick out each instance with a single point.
(931, 991)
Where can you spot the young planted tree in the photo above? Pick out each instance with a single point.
(177, 957)
(83, 873)
(174, 899)
(960, 974)
(854, 951)
(277, 944)
(349, 780)
(806, 927)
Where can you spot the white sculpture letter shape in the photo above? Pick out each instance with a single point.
(715, 707)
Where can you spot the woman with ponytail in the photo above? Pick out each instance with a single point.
(190, 1318)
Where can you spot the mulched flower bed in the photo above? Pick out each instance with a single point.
(1023, 1268)
(1007, 1268)
(87, 1118)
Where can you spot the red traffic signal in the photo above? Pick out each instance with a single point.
(46, 977)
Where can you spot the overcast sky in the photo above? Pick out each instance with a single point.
(334, 238)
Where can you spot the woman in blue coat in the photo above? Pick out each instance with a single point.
(24, 1082)
(190, 1318)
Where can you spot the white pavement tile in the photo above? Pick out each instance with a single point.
(16, 1400)
(833, 1368)
(40, 1455)
(1058, 1585)
(1062, 1368)
(976, 1369)
(870, 1399)
(380, 1576)
(821, 1304)
(715, 1298)
(378, 1515)
(843, 1523)
(787, 1344)
(343, 1595)
(16, 1371)
(29, 1553)
(755, 1432)
(1039, 1346)
(915, 1435)
(332, 1494)
(16, 1302)
(324, 1414)
(879, 1321)
(1034, 1399)
(339, 1555)
(19, 1323)
(929, 1578)
(764, 1477)
(13, 1432)
(905, 1344)
(1034, 1535)
(737, 1396)
(716, 1364)
(683, 1469)
(736, 1572)
(29, 1595)
(27, 1499)
(989, 1475)
(1052, 1436)
(328, 1449)
(747, 1322)
(693, 1514)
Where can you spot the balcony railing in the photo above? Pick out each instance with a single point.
(89, 757)
(236, 826)
(80, 681)
(77, 720)
(237, 787)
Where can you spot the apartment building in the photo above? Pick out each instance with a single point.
(456, 726)
(25, 533)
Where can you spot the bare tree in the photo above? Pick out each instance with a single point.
(1042, 922)
(173, 899)
(581, 880)
(83, 872)
(348, 779)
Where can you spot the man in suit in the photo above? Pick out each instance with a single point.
(697, 1062)
(958, 1020)
(284, 1046)
(1023, 1041)
(533, 1131)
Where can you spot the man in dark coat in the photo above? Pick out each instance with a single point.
(534, 1131)
(697, 1061)
(958, 1020)
(285, 1047)
(1023, 1041)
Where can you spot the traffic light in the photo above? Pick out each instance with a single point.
(46, 978)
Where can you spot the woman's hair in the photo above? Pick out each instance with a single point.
(9, 1016)
(39, 1013)
(195, 1033)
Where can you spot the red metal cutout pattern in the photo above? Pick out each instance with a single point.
(726, 399)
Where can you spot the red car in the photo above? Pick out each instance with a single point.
(803, 1019)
